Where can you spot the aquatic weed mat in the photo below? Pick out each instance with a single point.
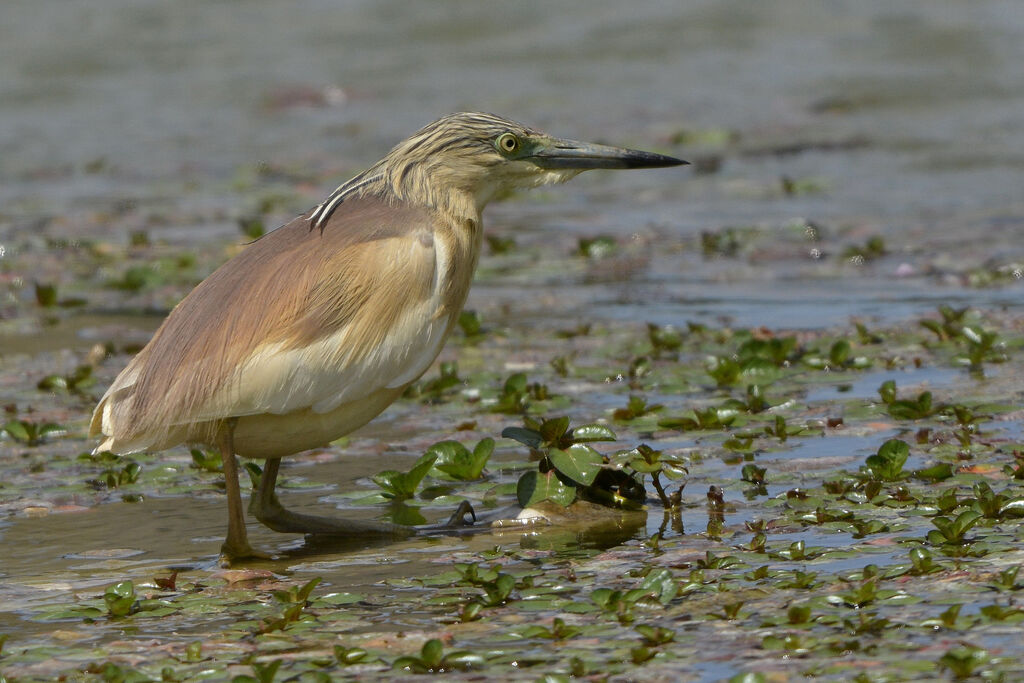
(850, 507)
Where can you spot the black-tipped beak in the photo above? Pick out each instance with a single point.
(570, 154)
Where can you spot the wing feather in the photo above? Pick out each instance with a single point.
(301, 318)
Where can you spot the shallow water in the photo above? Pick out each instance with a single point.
(813, 127)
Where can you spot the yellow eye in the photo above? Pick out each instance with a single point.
(507, 143)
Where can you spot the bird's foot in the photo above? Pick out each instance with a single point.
(459, 519)
(232, 552)
(275, 516)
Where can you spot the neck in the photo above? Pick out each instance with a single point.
(458, 201)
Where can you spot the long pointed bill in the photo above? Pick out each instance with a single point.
(570, 154)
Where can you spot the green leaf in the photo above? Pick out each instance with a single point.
(839, 353)
(17, 431)
(662, 584)
(402, 485)
(303, 593)
(592, 432)
(266, 673)
(515, 384)
(553, 429)
(414, 476)
(528, 437)
(939, 472)
(535, 487)
(432, 653)
(887, 391)
(46, 294)
(497, 593)
(1013, 508)
(579, 462)
(348, 655)
(469, 321)
(120, 598)
(481, 454)
(458, 462)
(887, 464)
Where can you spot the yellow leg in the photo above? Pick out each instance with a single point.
(236, 546)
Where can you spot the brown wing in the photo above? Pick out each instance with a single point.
(279, 326)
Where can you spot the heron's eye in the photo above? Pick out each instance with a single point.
(508, 143)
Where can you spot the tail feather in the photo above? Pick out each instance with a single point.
(105, 423)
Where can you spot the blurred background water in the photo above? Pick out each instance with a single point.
(920, 103)
(817, 125)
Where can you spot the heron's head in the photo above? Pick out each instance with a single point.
(483, 155)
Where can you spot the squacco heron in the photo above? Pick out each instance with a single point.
(315, 328)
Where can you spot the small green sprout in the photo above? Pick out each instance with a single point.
(517, 394)
(863, 595)
(1006, 580)
(730, 611)
(962, 661)
(596, 247)
(950, 326)
(887, 463)
(916, 408)
(137, 278)
(433, 660)
(559, 630)
(113, 477)
(952, 531)
(458, 462)
(46, 294)
(31, 433)
(981, 345)
(75, 383)
(252, 227)
(636, 407)
(801, 580)
(798, 614)
(120, 599)
(500, 245)
(867, 623)
(711, 418)
(949, 618)
(194, 651)
(472, 328)
(497, 585)
(402, 485)
(725, 242)
(753, 474)
(265, 673)
(994, 505)
(294, 600)
(640, 654)
(346, 656)
(725, 371)
(434, 389)
(872, 249)
(664, 338)
(1001, 613)
(653, 636)
(921, 562)
(206, 461)
(780, 430)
